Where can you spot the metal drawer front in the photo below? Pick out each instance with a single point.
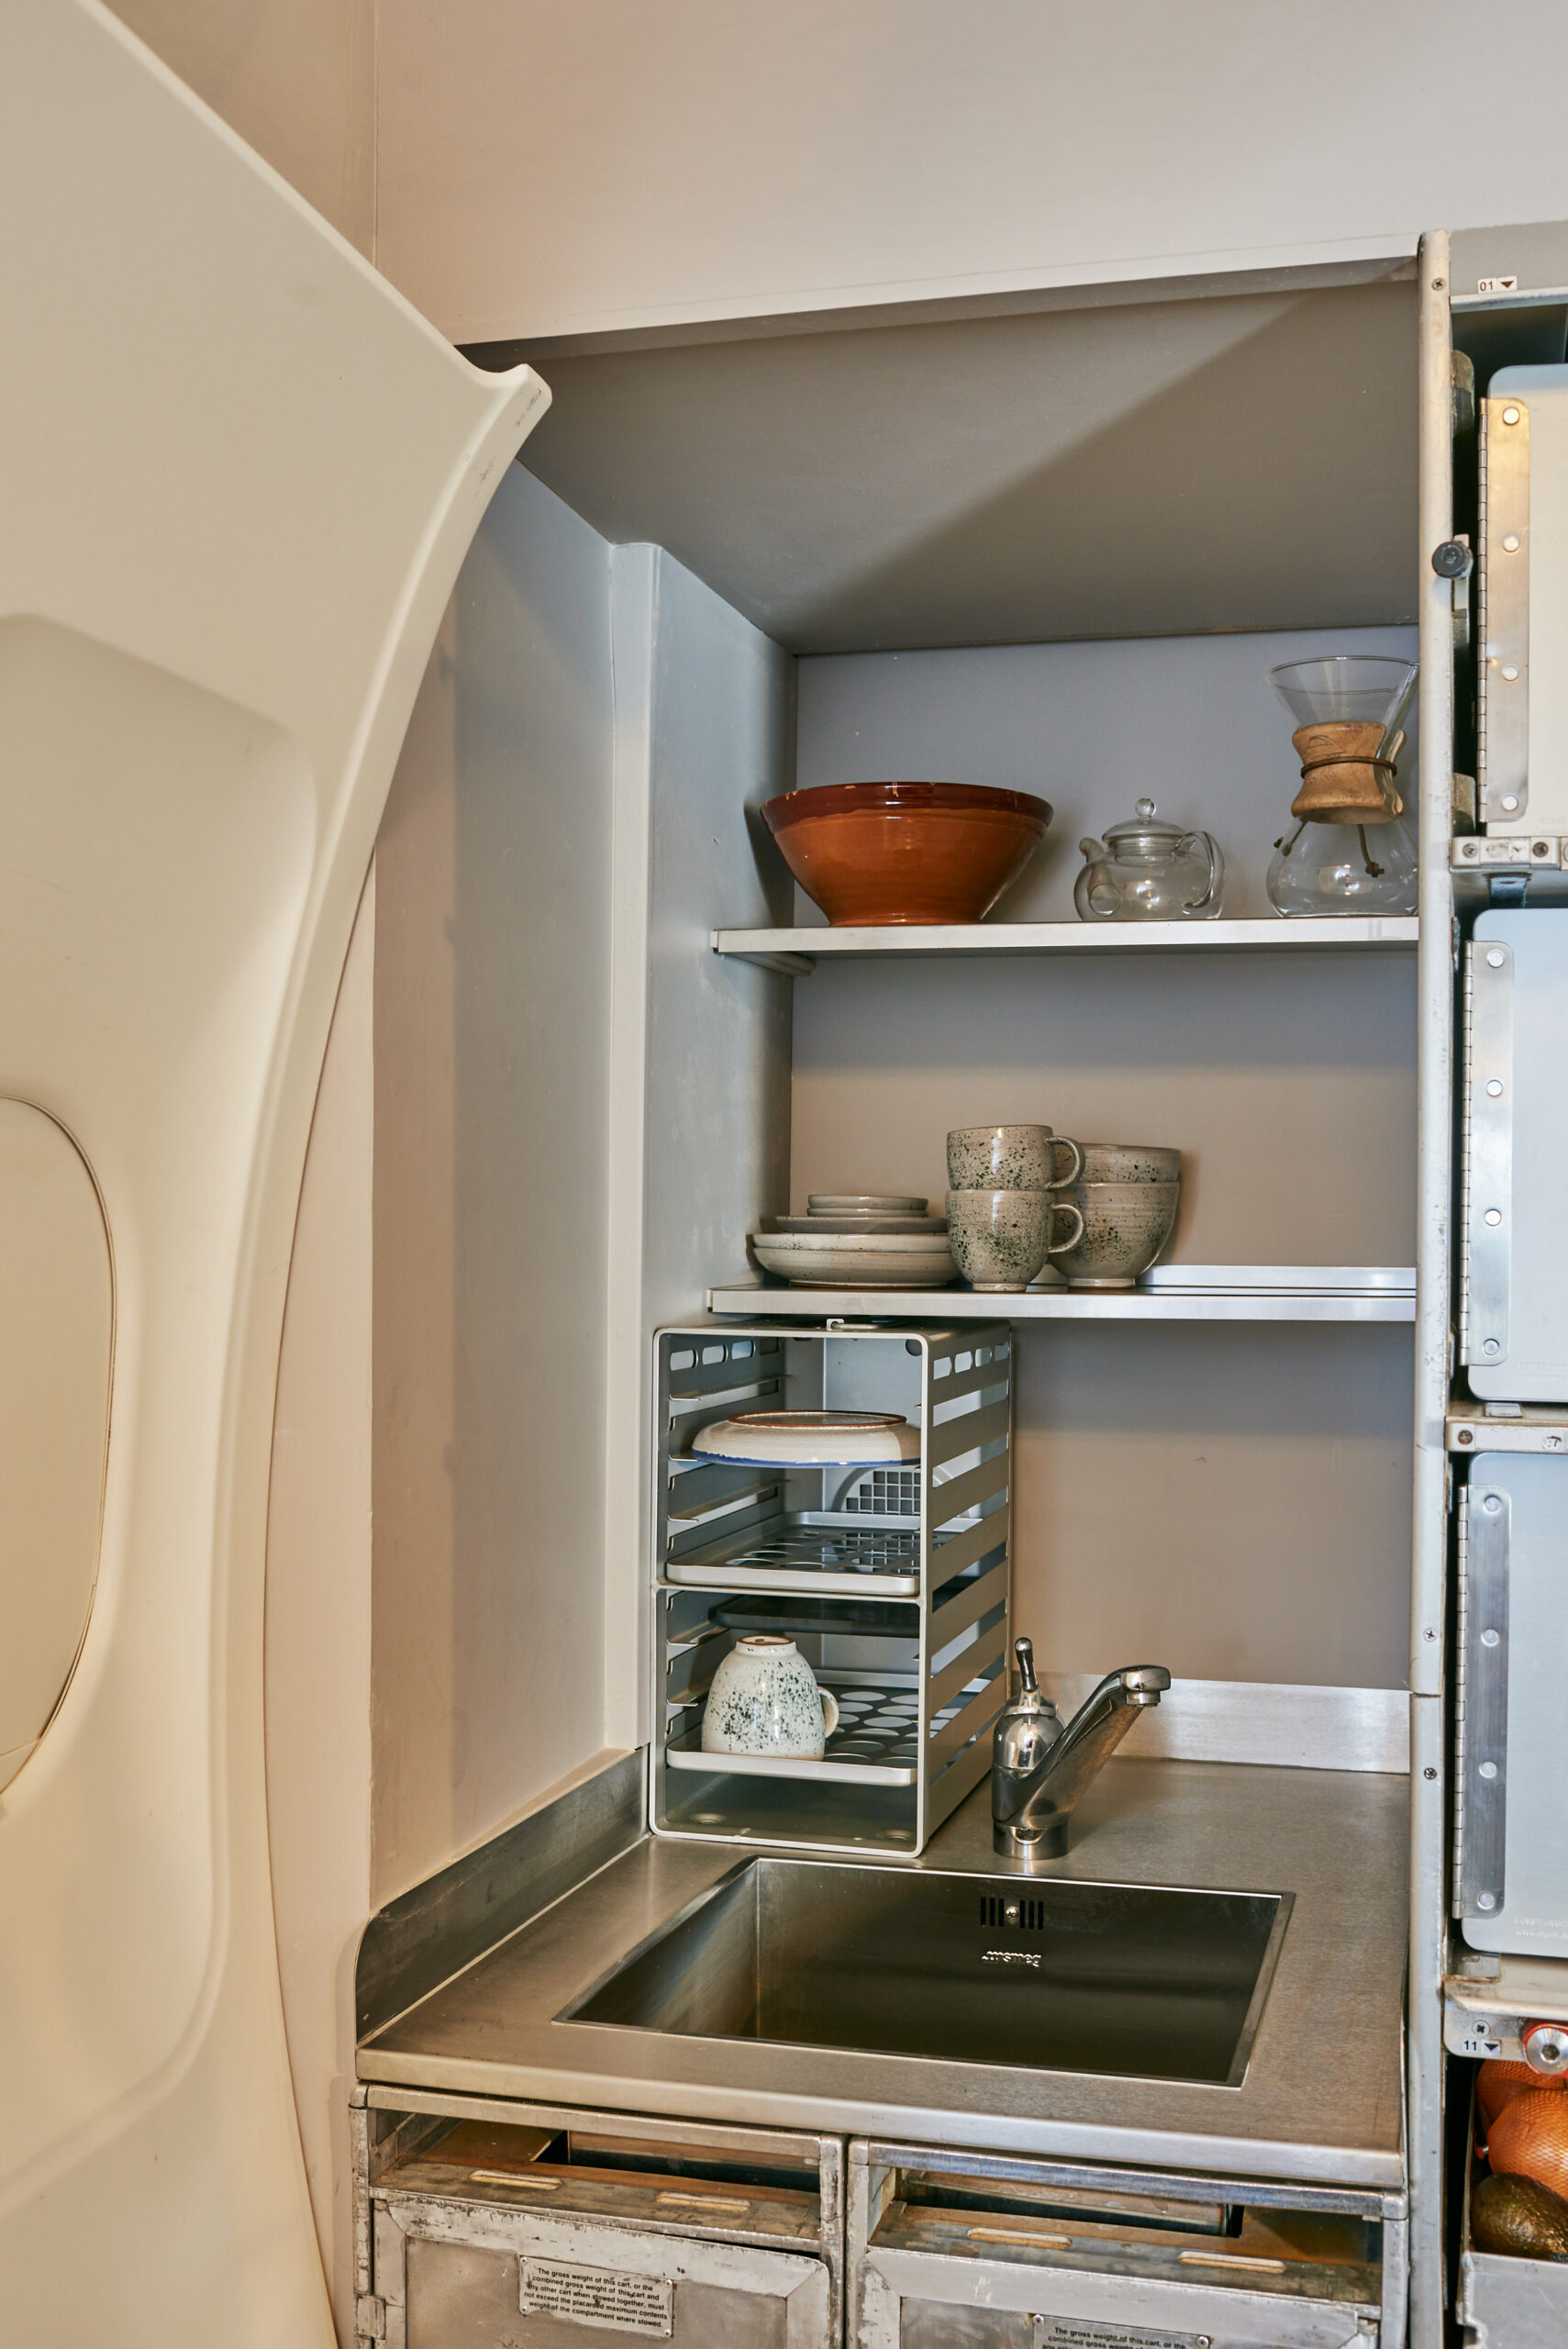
(486, 2230)
(460, 2295)
(1015, 2254)
(921, 2302)
(1515, 1227)
(1512, 1724)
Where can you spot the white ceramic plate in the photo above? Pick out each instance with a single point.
(811, 1439)
(869, 1260)
(866, 1203)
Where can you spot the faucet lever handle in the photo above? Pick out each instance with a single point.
(1024, 1651)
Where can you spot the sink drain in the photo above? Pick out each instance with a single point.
(998, 1908)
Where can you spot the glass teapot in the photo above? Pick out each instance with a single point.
(1148, 870)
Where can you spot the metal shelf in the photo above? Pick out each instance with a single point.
(795, 1554)
(881, 1713)
(797, 951)
(1367, 1293)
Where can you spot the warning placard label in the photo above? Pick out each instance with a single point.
(598, 2296)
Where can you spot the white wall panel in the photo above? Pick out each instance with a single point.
(318, 1608)
(238, 478)
(295, 78)
(493, 976)
(588, 164)
(705, 708)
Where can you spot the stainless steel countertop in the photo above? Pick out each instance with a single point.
(1321, 2099)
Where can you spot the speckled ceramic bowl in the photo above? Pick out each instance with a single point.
(1129, 1161)
(764, 1699)
(1011, 1158)
(1126, 1226)
(1001, 1239)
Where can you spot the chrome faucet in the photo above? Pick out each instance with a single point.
(1039, 1769)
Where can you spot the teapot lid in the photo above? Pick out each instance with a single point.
(1145, 829)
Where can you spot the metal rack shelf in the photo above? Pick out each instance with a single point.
(831, 1560)
(797, 951)
(1368, 1293)
(876, 1743)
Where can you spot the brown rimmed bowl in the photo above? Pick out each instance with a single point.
(871, 854)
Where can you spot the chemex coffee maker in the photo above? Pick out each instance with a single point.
(1349, 852)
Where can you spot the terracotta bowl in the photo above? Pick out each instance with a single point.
(875, 853)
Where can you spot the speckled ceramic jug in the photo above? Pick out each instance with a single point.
(764, 1699)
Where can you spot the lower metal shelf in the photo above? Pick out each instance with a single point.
(876, 1743)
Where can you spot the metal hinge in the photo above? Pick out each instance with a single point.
(1486, 1242)
(1502, 602)
(1467, 999)
(1461, 1564)
(1483, 1779)
(370, 2318)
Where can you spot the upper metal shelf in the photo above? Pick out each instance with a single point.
(797, 951)
(1363, 1293)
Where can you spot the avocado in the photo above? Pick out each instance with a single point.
(1519, 2215)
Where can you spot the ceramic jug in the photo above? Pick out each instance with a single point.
(764, 1699)
(1148, 870)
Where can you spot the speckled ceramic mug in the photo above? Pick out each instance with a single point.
(1000, 1239)
(1126, 1226)
(764, 1699)
(1129, 1161)
(1009, 1158)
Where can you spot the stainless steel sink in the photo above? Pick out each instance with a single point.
(1133, 1980)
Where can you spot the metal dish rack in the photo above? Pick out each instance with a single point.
(893, 1582)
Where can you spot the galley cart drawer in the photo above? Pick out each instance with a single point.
(1506, 2302)
(960, 2251)
(498, 2226)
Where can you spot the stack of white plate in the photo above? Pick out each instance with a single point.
(859, 1240)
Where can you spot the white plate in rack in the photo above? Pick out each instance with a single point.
(809, 1439)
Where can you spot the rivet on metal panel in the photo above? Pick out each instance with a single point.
(1495, 958)
(1510, 416)
(1510, 671)
(1511, 543)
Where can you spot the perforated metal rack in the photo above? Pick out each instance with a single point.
(894, 1583)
